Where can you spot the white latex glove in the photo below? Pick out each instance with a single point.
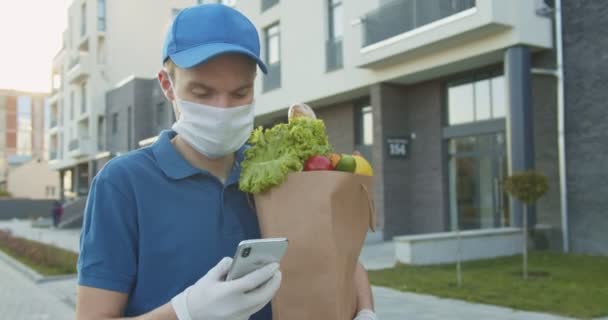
(212, 298)
(366, 314)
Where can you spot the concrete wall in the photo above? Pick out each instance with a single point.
(144, 97)
(411, 193)
(38, 129)
(31, 180)
(585, 45)
(118, 101)
(151, 100)
(24, 208)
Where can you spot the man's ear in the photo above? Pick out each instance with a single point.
(165, 85)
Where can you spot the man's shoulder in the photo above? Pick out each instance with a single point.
(132, 163)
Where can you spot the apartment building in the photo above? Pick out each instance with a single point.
(22, 129)
(104, 46)
(445, 97)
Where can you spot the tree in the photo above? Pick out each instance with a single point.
(527, 187)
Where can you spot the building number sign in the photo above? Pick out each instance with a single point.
(397, 147)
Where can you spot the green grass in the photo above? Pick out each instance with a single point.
(569, 285)
(45, 259)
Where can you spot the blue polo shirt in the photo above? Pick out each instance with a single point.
(154, 225)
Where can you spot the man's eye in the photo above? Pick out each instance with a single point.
(202, 94)
(241, 94)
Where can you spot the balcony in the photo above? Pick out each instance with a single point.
(80, 147)
(405, 30)
(400, 16)
(334, 55)
(55, 95)
(267, 4)
(78, 68)
(57, 63)
(272, 80)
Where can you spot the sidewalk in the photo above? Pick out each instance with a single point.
(64, 238)
(390, 304)
(22, 299)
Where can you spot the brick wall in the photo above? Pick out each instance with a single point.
(585, 47)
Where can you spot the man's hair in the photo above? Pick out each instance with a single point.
(170, 67)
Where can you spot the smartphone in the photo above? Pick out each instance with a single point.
(254, 254)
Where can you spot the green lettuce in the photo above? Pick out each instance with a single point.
(277, 151)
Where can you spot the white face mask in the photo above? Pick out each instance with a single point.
(214, 131)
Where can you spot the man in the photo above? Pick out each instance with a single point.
(160, 221)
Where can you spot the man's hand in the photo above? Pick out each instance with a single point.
(212, 298)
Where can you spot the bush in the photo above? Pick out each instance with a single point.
(45, 259)
(527, 186)
(4, 194)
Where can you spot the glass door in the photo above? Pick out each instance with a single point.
(477, 167)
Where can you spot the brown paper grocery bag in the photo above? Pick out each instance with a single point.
(325, 216)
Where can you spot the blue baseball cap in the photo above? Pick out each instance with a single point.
(202, 32)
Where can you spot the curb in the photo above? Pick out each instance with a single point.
(30, 273)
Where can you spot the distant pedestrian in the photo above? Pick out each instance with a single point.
(57, 212)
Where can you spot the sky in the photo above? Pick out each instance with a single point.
(30, 36)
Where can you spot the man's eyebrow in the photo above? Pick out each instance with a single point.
(245, 86)
(195, 84)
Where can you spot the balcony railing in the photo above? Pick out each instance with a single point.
(334, 56)
(74, 61)
(74, 144)
(400, 16)
(267, 4)
(272, 80)
(101, 24)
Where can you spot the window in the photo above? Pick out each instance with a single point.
(477, 100)
(336, 29)
(114, 123)
(200, 1)
(335, 32)
(175, 12)
(83, 97)
(365, 126)
(101, 15)
(364, 130)
(272, 80)
(83, 20)
(267, 4)
(160, 114)
(273, 49)
(50, 191)
(72, 105)
(100, 133)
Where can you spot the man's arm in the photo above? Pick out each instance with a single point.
(209, 298)
(365, 299)
(99, 304)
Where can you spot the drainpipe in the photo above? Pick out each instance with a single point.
(561, 139)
